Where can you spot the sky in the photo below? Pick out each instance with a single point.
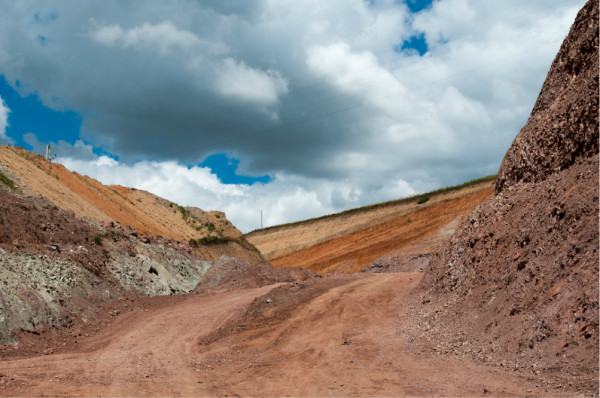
(298, 108)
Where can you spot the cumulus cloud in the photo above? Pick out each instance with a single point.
(317, 94)
(287, 198)
(163, 38)
(237, 80)
(4, 111)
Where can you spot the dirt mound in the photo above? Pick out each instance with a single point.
(34, 225)
(519, 278)
(231, 273)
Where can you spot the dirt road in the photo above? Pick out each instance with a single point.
(338, 336)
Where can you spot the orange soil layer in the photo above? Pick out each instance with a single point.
(141, 210)
(279, 241)
(355, 251)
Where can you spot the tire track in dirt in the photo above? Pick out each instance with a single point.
(150, 354)
(341, 339)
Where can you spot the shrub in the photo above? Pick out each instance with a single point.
(209, 240)
(422, 200)
(184, 213)
(98, 240)
(7, 181)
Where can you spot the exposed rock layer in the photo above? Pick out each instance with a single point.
(563, 126)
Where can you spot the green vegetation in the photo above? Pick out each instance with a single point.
(422, 200)
(7, 181)
(210, 240)
(389, 203)
(98, 240)
(208, 225)
(184, 213)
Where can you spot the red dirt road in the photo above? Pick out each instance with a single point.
(335, 336)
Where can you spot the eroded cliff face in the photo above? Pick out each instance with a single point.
(54, 265)
(563, 126)
(519, 278)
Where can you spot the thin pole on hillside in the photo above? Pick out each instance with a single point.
(261, 219)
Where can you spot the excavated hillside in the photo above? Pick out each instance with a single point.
(70, 245)
(401, 235)
(134, 210)
(519, 278)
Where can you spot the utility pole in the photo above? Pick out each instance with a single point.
(261, 219)
(49, 153)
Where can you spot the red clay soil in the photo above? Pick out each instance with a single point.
(354, 252)
(35, 225)
(335, 336)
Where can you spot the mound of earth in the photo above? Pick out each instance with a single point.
(69, 245)
(519, 278)
(231, 273)
(36, 226)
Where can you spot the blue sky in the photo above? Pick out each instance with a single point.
(294, 108)
(29, 114)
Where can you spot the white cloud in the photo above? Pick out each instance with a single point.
(162, 37)
(108, 35)
(4, 111)
(241, 82)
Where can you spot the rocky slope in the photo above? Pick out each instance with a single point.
(54, 265)
(519, 278)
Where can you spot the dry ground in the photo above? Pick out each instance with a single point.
(334, 336)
